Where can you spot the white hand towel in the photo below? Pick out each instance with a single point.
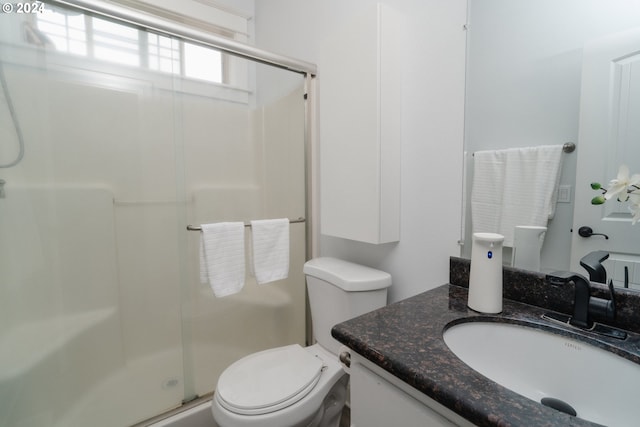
(513, 187)
(270, 248)
(487, 190)
(222, 260)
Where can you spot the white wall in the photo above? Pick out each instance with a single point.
(432, 127)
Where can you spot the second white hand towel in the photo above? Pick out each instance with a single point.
(270, 246)
(222, 261)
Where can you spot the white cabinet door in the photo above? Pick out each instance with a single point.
(359, 73)
(377, 403)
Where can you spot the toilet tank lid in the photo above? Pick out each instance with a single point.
(347, 275)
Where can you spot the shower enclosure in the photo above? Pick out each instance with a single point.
(113, 139)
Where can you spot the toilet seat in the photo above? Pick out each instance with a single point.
(269, 380)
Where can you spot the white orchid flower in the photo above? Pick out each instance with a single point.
(618, 186)
(623, 188)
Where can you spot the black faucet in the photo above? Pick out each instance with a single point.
(592, 262)
(584, 305)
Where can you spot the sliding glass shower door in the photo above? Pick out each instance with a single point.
(112, 140)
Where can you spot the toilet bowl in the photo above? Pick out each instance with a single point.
(300, 388)
(295, 386)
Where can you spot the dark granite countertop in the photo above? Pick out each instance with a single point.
(405, 339)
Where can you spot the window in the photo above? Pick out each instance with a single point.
(114, 42)
(98, 38)
(163, 53)
(67, 32)
(202, 63)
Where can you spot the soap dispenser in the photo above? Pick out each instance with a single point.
(485, 278)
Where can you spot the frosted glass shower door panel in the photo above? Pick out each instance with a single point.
(245, 162)
(90, 303)
(60, 332)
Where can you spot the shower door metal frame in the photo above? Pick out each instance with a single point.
(160, 25)
(179, 30)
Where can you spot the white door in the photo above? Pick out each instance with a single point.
(609, 136)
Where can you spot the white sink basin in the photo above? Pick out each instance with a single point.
(601, 386)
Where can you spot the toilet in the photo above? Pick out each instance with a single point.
(295, 386)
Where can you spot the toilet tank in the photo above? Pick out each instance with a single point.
(341, 290)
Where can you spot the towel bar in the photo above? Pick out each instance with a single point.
(246, 224)
(567, 147)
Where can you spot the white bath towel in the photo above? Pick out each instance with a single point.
(222, 257)
(516, 186)
(270, 249)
